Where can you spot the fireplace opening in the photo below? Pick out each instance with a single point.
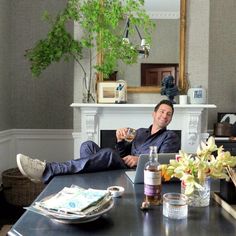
(108, 138)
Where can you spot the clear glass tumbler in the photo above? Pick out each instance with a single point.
(131, 132)
(175, 205)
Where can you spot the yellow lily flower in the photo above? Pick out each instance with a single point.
(194, 169)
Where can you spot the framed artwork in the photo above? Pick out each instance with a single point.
(107, 92)
(229, 118)
(112, 92)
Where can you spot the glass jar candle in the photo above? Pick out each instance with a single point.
(175, 205)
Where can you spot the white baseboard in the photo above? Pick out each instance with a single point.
(44, 144)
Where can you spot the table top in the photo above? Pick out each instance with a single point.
(126, 218)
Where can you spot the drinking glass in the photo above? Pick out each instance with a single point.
(175, 205)
(131, 132)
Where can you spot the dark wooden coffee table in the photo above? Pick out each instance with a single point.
(126, 218)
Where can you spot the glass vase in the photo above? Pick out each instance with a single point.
(89, 93)
(88, 97)
(200, 197)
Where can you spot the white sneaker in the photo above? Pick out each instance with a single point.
(31, 168)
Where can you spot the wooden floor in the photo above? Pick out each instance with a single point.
(9, 214)
(4, 230)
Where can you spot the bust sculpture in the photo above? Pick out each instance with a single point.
(169, 88)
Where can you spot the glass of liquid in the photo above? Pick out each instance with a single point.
(131, 132)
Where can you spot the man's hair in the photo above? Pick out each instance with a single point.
(166, 102)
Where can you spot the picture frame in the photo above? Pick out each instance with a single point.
(106, 92)
(112, 91)
(229, 117)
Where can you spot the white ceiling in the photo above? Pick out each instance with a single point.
(163, 8)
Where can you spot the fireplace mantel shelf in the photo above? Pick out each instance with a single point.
(129, 105)
(191, 119)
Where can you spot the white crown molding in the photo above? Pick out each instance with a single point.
(153, 15)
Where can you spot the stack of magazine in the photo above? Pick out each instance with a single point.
(74, 205)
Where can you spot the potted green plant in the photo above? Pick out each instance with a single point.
(102, 23)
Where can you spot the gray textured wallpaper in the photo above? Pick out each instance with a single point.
(222, 59)
(42, 102)
(211, 52)
(5, 81)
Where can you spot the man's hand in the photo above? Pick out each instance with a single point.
(121, 134)
(131, 161)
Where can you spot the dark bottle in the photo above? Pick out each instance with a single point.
(152, 178)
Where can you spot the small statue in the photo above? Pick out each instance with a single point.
(121, 92)
(169, 88)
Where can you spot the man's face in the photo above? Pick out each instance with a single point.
(162, 117)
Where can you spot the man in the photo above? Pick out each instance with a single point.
(125, 155)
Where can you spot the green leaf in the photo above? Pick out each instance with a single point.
(102, 25)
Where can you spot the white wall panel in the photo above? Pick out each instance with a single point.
(49, 145)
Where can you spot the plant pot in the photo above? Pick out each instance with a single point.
(113, 76)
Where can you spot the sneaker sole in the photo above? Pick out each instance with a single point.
(19, 166)
(35, 181)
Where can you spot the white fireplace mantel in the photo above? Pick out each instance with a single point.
(190, 119)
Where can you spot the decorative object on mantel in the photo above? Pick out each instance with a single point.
(89, 90)
(169, 88)
(183, 99)
(106, 92)
(121, 92)
(196, 170)
(197, 95)
(112, 92)
(102, 38)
